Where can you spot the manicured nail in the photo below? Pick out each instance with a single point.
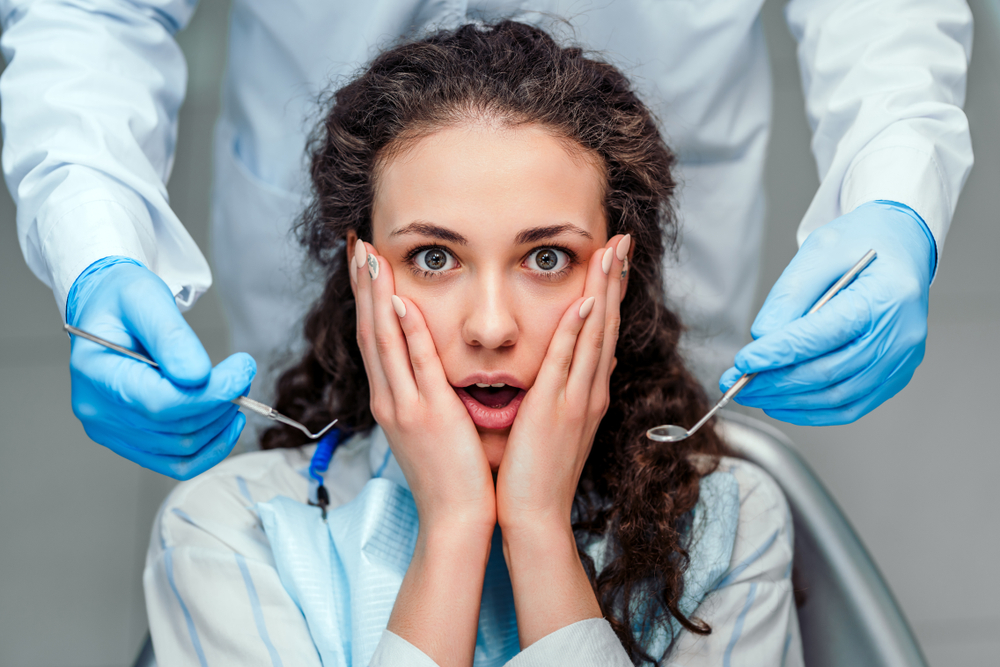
(360, 253)
(373, 266)
(398, 306)
(623, 245)
(587, 306)
(606, 262)
(625, 268)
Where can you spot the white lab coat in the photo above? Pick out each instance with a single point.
(92, 89)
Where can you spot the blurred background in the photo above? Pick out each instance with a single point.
(913, 477)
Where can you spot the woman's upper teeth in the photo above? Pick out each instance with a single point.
(483, 385)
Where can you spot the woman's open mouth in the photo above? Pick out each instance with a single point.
(491, 406)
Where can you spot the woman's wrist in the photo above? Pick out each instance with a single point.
(437, 608)
(551, 587)
(450, 520)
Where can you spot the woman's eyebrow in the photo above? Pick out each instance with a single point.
(524, 237)
(432, 230)
(536, 234)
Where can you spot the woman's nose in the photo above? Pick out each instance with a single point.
(490, 321)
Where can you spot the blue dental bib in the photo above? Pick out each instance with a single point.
(344, 573)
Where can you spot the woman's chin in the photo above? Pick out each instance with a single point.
(494, 444)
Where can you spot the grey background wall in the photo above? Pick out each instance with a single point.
(917, 477)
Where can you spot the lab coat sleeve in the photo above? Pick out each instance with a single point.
(884, 84)
(213, 593)
(587, 643)
(751, 610)
(394, 651)
(90, 98)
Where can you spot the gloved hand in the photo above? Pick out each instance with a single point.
(862, 347)
(176, 420)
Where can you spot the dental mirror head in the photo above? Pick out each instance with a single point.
(667, 433)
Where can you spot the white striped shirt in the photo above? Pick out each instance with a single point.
(214, 596)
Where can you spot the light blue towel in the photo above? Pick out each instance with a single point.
(345, 573)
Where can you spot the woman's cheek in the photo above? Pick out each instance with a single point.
(442, 322)
(542, 317)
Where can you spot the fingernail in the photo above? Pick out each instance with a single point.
(623, 245)
(373, 266)
(398, 306)
(625, 268)
(360, 253)
(587, 306)
(606, 262)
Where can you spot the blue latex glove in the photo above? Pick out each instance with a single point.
(176, 420)
(862, 347)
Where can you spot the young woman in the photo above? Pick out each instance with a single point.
(490, 212)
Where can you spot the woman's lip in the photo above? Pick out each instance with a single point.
(489, 378)
(490, 418)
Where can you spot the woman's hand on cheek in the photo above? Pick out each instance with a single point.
(555, 426)
(546, 450)
(430, 431)
(439, 450)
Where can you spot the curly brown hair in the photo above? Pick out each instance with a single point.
(517, 74)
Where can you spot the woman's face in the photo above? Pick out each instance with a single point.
(488, 231)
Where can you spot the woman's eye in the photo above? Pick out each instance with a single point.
(547, 260)
(434, 259)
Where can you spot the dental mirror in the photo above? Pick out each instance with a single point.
(672, 433)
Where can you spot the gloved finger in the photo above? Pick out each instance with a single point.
(150, 314)
(856, 358)
(185, 467)
(839, 394)
(844, 318)
(806, 278)
(729, 378)
(168, 443)
(147, 394)
(186, 425)
(845, 414)
(105, 409)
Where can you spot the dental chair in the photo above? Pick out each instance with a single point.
(849, 618)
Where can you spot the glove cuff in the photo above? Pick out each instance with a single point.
(903, 208)
(88, 280)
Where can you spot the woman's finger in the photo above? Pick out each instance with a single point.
(366, 321)
(590, 343)
(559, 357)
(390, 342)
(424, 361)
(612, 315)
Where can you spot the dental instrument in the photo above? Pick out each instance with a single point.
(672, 433)
(242, 401)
